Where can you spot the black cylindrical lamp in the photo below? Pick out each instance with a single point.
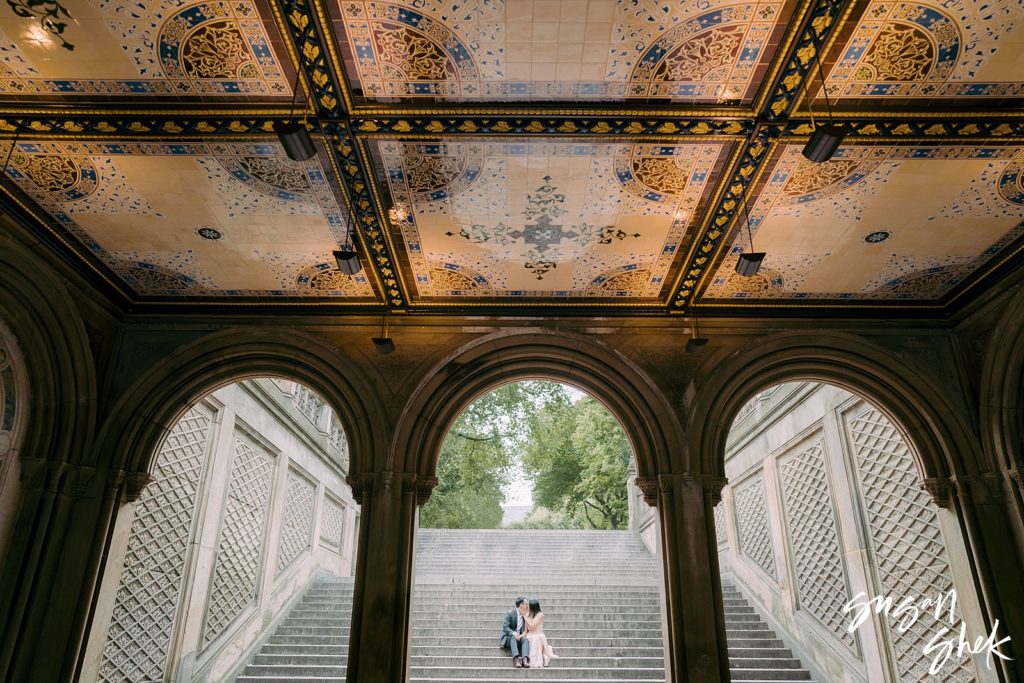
(384, 345)
(348, 261)
(295, 139)
(750, 264)
(824, 142)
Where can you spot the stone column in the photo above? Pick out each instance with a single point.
(985, 516)
(52, 566)
(693, 588)
(379, 638)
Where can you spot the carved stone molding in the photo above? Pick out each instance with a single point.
(424, 487)
(985, 488)
(940, 489)
(1018, 480)
(713, 486)
(649, 488)
(359, 484)
(135, 484)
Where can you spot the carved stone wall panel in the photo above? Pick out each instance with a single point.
(297, 525)
(333, 525)
(814, 539)
(723, 539)
(148, 592)
(752, 523)
(240, 549)
(907, 541)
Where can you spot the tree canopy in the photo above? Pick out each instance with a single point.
(573, 452)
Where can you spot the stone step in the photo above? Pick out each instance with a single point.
(555, 671)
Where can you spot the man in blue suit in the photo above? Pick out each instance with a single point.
(511, 637)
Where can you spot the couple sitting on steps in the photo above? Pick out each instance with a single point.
(523, 634)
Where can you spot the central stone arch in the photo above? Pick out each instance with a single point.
(644, 412)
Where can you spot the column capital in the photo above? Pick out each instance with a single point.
(360, 484)
(135, 484)
(713, 485)
(983, 488)
(653, 487)
(940, 489)
(39, 475)
(649, 488)
(1017, 478)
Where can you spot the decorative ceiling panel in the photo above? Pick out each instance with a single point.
(917, 54)
(559, 50)
(878, 223)
(218, 219)
(130, 50)
(556, 218)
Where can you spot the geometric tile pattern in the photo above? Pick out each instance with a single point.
(308, 403)
(297, 523)
(553, 218)
(133, 50)
(907, 541)
(510, 50)
(723, 539)
(814, 539)
(275, 221)
(755, 541)
(844, 230)
(919, 51)
(150, 584)
(333, 523)
(241, 539)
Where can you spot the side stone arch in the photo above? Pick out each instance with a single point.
(41, 315)
(1002, 398)
(643, 411)
(930, 416)
(154, 401)
(944, 443)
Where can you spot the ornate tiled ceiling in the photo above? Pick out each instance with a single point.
(544, 154)
(559, 50)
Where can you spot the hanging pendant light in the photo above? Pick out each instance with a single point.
(827, 137)
(750, 263)
(696, 343)
(294, 137)
(384, 344)
(346, 257)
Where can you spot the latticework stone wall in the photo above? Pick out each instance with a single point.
(207, 564)
(909, 549)
(887, 541)
(140, 631)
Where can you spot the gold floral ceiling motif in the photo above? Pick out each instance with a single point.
(871, 225)
(559, 50)
(552, 218)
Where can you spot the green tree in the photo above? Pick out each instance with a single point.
(577, 457)
(476, 462)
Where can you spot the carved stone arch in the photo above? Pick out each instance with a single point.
(1002, 393)
(643, 411)
(942, 440)
(155, 401)
(41, 315)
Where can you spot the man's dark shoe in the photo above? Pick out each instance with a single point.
(517, 662)
(526, 662)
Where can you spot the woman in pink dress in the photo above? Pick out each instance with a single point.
(541, 652)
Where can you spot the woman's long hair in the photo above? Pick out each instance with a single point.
(534, 607)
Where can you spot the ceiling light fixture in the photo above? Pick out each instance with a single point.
(399, 213)
(749, 264)
(827, 137)
(384, 343)
(346, 257)
(293, 134)
(696, 343)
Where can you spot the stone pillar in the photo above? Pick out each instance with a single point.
(985, 515)
(51, 569)
(693, 588)
(381, 610)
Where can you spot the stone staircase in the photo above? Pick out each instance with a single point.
(310, 645)
(599, 590)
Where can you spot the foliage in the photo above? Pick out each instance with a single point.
(577, 458)
(476, 457)
(575, 453)
(542, 518)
